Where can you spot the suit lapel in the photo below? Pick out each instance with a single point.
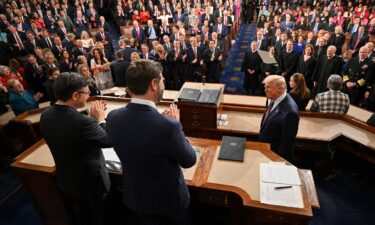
(272, 114)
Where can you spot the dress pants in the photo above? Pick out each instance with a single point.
(85, 211)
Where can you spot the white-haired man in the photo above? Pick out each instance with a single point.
(280, 121)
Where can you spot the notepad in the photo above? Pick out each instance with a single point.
(280, 185)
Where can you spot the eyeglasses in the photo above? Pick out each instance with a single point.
(84, 92)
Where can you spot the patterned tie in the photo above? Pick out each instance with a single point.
(268, 112)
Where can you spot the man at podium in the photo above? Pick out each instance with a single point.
(152, 147)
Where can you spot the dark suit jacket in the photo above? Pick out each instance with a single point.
(141, 37)
(107, 36)
(30, 48)
(280, 128)
(152, 148)
(75, 141)
(353, 40)
(118, 71)
(127, 51)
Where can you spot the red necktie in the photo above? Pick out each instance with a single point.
(195, 52)
(139, 33)
(268, 112)
(358, 39)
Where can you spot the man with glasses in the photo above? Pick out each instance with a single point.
(75, 141)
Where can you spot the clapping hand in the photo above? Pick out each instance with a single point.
(172, 112)
(38, 96)
(97, 110)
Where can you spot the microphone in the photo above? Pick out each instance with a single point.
(201, 75)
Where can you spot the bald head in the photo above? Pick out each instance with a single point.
(331, 50)
(370, 46)
(363, 52)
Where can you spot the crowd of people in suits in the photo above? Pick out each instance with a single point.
(41, 35)
(308, 37)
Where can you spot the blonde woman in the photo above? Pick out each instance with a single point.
(134, 57)
(86, 40)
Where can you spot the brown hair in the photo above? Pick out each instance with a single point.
(309, 46)
(300, 89)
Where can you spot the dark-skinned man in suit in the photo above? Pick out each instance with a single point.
(75, 141)
(280, 121)
(152, 148)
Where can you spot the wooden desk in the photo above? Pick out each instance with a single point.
(316, 131)
(232, 185)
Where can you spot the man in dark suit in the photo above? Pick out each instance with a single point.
(61, 29)
(317, 25)
(105, 38)
(152, 151)
(357, 40)
(34, 75)
(280, 121)
(262, 42)
(251, 66)
(31, 43)
(75, 141)
(138, 32)
(79, 50)
(15, 40)
(145, 54)
(194, 58)
(280, 45)
(176, 63)
(118, 70)
(220, 29)
(164, 28)
(213, 57)
(128, 50)
(46, 39)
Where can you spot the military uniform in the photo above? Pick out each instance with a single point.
(358, 73)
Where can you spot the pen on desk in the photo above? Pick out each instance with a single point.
(283, 187)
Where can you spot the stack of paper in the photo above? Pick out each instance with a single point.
(280, 184)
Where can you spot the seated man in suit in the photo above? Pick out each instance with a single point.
(287, 25)
(333, 100)
(145, 54)
(280, 122)
(357, 40)
(75, 141)
(152, 149)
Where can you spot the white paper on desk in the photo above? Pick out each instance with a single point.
(289, 197)
(278, 173)
(110, 155)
